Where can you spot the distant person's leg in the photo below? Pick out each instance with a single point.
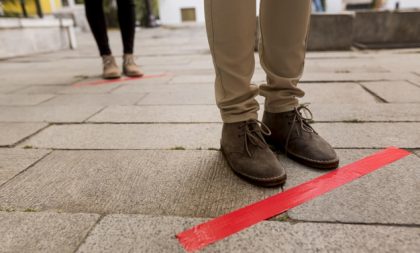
(284, 32)
(127, 20)
(96, 18)
(231, 29)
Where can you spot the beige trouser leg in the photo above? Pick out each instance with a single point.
(231, 32)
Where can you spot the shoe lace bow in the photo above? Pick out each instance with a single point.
(301, 115)
(252, 132)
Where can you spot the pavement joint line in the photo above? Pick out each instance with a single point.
(89, 117)
(376, 96)
(291, 220)
(49, 99)
(214, 149)
(27, 168)
(14, 145)
(145, 94)
(89, 232)
(210, 122)
(115, 88)
(273, 219)
(415, 152)
(413, 83)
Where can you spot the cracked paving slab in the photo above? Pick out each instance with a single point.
(387, 196)
(210, 113)
(12, 133)
(196, 136)
(43, 232)
(13, 161)
(136, 233)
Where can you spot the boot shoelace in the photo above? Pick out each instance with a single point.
(129, 61)
(253, 131)
(303, 116)
(108, 61)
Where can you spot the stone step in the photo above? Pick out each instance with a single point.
(204, 136)
(137, 233)
(200, 184)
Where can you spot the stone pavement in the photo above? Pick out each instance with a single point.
(124, 166)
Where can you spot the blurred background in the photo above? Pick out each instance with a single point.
(336, 25)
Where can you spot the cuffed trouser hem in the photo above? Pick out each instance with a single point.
(227, 118)
(280, 108)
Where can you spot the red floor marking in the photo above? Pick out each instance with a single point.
(214, 230)
(117, 80)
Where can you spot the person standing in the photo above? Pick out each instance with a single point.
(126, 18)
(245, 140)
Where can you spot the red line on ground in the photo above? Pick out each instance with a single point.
(117, 80)
(214, 230)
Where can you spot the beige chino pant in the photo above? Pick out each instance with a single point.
(231, 29)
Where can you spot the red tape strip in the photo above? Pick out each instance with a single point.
(214, 230)
(117, 80)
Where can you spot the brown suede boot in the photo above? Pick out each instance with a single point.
(292, 134)
(248, 154)
(110, 68)
(130, 68)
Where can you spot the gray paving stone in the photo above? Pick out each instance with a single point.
(40, 89)
(7, 88)
(173, 182)
(47, 113)
(354, 77)
(128, 136)
(43, 232)
(135, 233)
(90, 89)
(209, 113)
(338, 93)
(187, 97)
(193, 79)
(395, 92)
(203, 94)
(386, 196)
(159, 88)
(370, 135)
(193, 136)
(12, 133)
(163, 114)
(95, 99)
(13, 161)
(366, 113)
(340, 65)
(21, 99)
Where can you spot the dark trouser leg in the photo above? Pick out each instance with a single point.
(96, 18)
(127, 20)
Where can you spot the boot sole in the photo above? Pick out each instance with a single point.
(130, 75)
(310, 163)
(263, 183)
(111, 77)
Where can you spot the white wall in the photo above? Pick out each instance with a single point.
(390, 4)
(170, 10)
(338, 5)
